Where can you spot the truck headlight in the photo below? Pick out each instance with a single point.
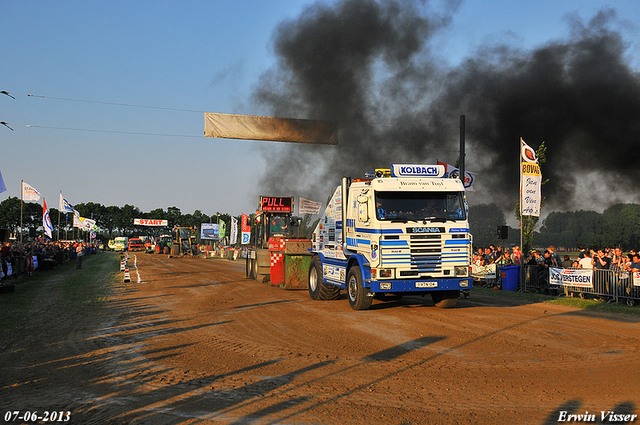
(385, 285)
(464, 283)
(385, 273)
(462, 271)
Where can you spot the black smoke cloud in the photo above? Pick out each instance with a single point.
(370, 66)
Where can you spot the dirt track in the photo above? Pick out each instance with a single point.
(195, 342)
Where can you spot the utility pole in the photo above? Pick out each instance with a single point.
(462, 143)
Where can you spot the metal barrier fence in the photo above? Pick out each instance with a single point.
(611, 285)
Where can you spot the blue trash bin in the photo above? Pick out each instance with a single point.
(510, 278)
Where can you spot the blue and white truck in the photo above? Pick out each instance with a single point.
(401, 231)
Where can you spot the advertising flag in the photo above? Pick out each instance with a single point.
(245, 229)
(233, 238)
(29, 193)
(308, 207)
(223, 229)
(65, 206)
(3, 188)
(469, 177)
(46, 220)
(530, 181)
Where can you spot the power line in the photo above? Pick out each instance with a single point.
(68, 99)
(101, 131)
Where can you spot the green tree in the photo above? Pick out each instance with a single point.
(484, 220)
(10, 214)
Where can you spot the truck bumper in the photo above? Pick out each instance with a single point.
(422, 285)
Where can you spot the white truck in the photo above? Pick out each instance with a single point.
(402, 231)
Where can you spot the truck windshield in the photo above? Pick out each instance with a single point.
(418, 206)
(184, 233)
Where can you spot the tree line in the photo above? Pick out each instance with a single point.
(618, 225)
(115, 221)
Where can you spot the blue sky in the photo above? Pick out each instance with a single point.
(177, 60)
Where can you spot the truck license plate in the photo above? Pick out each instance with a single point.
(426, 284)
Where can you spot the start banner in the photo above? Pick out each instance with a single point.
(582, 278)
(149, 222)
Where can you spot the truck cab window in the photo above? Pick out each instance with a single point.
(416, 206)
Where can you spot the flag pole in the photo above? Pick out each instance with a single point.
(21, 201)
(521, 238)
(59, 216)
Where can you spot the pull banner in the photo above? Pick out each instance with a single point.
(251, 127)
(150, 222)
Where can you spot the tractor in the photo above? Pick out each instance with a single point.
(184, 241)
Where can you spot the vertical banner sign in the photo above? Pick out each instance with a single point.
(530, 181)
(245, 229)
(46, 220)
(233, 238)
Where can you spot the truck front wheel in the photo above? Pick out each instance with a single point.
(318, 290)
(359, 297)
(445, 299)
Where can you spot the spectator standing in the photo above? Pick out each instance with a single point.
(567, 262)
(516, 256)
(634, 266)
(586, 262)
(554, 256)
(617, 260)
(79, 255)
(601, 261)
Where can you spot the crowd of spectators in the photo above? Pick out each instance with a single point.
(19, 259)
(499, 256)
(592, 258)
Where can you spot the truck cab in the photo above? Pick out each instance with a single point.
(401, 231)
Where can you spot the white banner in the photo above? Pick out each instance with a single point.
(530, 181)
(150, 222)
(484, 272)
(306, 206)
(636, 278)
(234, 231)
(582, 278)
(29, 193)
(83, 223)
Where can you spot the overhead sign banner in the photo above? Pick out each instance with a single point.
(308, 207)
(276, 204)
(582, 278)
(530, 181)
(150, 222)
(251, 127)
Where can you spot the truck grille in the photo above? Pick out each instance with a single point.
(422, 255)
